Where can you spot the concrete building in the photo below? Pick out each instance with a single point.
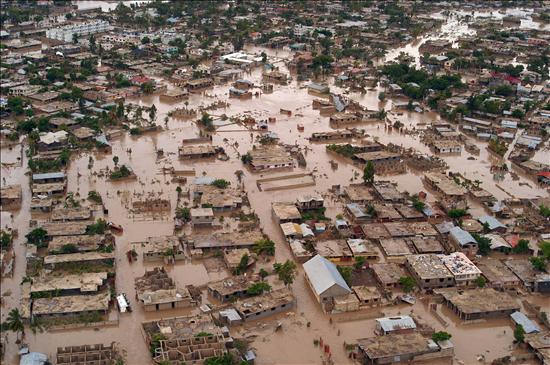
(157, 291)
(429, 271)
(98, 354)
(388, 274)
(397, 348)
(286, 212)
(10, 197)
(324, 280)
(202, 216)
(464, 271)
(65, 33)
(228, 289)
(478, 303)
(277, 301)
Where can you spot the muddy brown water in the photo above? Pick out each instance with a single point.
(294, 344)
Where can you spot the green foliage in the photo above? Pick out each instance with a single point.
(345, 271)
(95, 197)
(69, 248)
(441, 336)
(183, 213)
(368, 173)
(121, 173)
(264, 245)
(286, 271)
(519, 333)
(457, 213)
(498, 147)
(417, 203)
(545, 249)
(206, 120)
(148, 87)
(155, 342)
(98, 227)
(220, 183)
(539, 263)
(407, 283)
(521, 247)
(14, 321)
(16, 104)
(38, 237)
(346, 150)
(382, 96)
(483, 244)
(359, 262)
(5, 239)
(263, 273)
(480, 281)
(243, 264)
(544, 211)
(258, 288)
(246, 158)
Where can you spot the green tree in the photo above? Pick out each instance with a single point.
(14, 322)
(480, 281)
(37, 237)
(263, 273)
(359, 262)
(368, 173)
(521, 247)
(264, 245)
(5, 239)
(483, 244)
(382, 96)
(220, 183)
(258, 288)
(539, 263)
(148, 87)
(408, 283)
(441, 336)
(243, 264)
(115, 160)
(519, 333)
(145, 40)
(92, 43)
(545, 250)
(286, 271)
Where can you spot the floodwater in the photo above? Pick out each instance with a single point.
(294, 344)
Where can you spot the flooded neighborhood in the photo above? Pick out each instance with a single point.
(286, 182)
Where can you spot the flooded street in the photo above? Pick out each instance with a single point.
(148, 154)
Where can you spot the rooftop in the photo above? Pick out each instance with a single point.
(429, 266)
(286, 211)
(479, 300)
(395, 345)
(71, 304)
(85, 282)
(459, 264)
(323, 274)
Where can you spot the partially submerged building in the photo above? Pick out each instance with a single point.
(396, 348)
(429, 271)
(324, 280)
(157, 291)
(257, 307)
(71, 305)
(478, 303)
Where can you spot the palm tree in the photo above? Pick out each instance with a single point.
(14, 322)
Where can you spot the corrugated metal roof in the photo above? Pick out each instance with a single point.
(48, 175)
(461, 236)
(389, 324)
(323, 274)
(528, 325)
(492, 222)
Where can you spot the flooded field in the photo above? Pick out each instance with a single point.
(294, 344)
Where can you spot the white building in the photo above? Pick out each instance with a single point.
(464, 271)
(81, 29)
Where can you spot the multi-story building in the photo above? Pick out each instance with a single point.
(65, 33)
